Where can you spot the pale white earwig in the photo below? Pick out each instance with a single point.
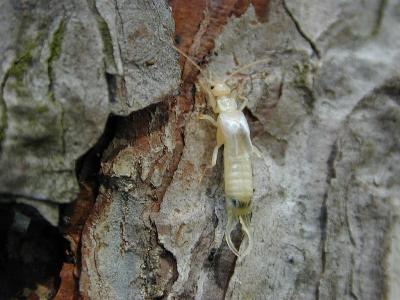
(234, 134)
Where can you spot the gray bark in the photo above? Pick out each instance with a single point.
(324, 110)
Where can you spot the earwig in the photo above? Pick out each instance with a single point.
(234, 134)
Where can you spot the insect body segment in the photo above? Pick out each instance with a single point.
(233, 132)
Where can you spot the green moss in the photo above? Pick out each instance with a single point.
(56, 43)
(41, 109)
(107, 41)
(368, 151)
(17, 71)
(301, 82)
(20, 89)
(23, 62)
(302, 72)
(55, 52)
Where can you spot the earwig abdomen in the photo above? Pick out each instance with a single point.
(238, 177)
(233, 132)
(238, 191)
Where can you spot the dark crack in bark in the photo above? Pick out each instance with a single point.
(349, 231)
(112, 87)
(73, 216)
(229, 263)
(379, 17)
(32, 252)
(121, 23)
(3, 111)
(301, 31)
(323, 218)
(351, 283)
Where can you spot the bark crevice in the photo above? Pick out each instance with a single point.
(323, 217)
(300, 30)
(3, 120)
(379, 17)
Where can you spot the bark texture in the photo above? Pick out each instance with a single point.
(99, 129)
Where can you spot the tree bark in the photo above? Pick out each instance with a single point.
(100, 134)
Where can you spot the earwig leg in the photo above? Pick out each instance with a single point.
(230, 226)
(209, 119)
(214, 156)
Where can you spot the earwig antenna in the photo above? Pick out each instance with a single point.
(182, 53)
(188, 58)
(246, 67)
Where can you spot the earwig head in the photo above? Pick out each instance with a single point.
(218, 92)
(218, 95)
(239, 212)
(219, 89)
